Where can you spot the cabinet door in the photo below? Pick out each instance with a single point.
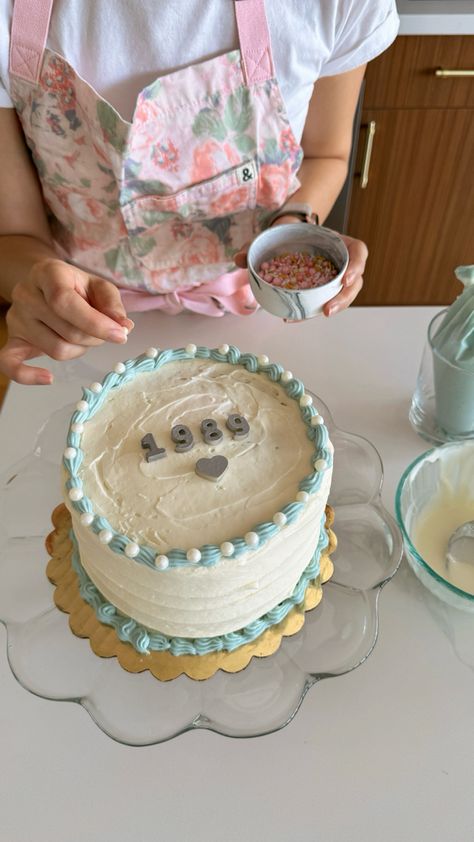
(416, 213)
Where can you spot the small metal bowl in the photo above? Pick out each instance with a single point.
(293, 303)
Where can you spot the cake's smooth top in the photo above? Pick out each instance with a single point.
(163, 509)
(165, 503)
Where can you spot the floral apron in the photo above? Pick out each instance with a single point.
(159, 205)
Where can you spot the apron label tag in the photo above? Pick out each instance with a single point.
(247, 172)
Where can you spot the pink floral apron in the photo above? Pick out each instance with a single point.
(159, 205)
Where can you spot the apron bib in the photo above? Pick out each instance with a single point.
(161, 204)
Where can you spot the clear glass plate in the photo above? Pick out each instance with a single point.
(136, 709)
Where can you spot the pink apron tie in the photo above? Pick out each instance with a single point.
(230, 293)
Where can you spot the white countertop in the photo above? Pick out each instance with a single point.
(436, 17)
(383, 753)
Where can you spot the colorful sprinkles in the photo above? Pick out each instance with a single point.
(298, 270)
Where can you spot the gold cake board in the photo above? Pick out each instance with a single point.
(104, 641)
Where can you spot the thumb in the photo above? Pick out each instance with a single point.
(105, 297)
(240, 258)
(12, 363)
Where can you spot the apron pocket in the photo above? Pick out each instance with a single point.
(193, 225)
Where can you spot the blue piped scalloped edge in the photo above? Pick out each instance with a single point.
(210, 553)
(145, 641)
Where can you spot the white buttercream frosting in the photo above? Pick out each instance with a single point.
(165, 504)
(205, 601)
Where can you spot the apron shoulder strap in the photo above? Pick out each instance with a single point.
(254, 37)
(30, 24)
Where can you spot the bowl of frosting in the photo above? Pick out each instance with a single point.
(295, 269)
(435, 496)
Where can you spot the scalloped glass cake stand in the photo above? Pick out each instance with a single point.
(136, 709)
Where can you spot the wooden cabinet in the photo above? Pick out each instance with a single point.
(416, 212)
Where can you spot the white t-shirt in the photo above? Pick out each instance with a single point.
(121, 46)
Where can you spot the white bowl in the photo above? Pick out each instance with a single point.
(437, 475)
(293, 303)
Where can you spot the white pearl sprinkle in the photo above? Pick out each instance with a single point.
(191, 349)
(223, 349)
(96, 388)
(279, 518)
(119, 368)
(306, 400)
(105, 536)
(86, 518)
(262, 359)
(320, 465)
(302, 497)
(75, 494)
(78, 427)
(251, 539)
(151, 353)
(82, 406)
(227, 549)
(286, 376)
(193, 555)
(132, 549)
(162, 562)
(316, 420)
(70, 453)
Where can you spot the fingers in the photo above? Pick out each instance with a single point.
(41, 336)
(353, 280)
(67, 301)
(358, 253)
(240, 258)
(46, 341)
(12, 364)
(59, 310)
(66, 331)
(106, 298)
(344, 298)
(33, 309)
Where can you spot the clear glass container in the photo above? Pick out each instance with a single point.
(442, 407)
(435, 469)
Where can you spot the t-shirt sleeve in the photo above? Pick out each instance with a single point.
(5, 101)
(364, 29)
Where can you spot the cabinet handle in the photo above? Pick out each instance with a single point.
(444, 72)
(364, 176)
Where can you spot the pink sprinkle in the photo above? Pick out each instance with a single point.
(298, 270)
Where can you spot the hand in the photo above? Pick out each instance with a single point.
(61, 311)
(240, 259)
(353, 279)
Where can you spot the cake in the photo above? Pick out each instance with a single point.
(197, 481)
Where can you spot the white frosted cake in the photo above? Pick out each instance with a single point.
(197, 481)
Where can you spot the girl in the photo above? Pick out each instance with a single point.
(145, 143)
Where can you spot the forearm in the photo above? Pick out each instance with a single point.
(24, 231)
(327, 140)
(18, 254)
(321, 182)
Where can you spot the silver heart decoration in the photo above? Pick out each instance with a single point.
(213, 468)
